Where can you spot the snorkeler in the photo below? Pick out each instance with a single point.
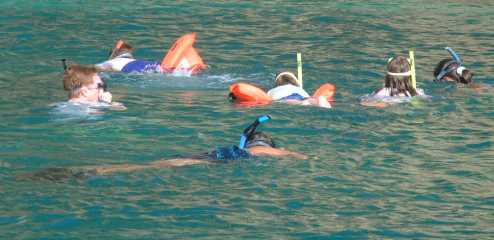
(121, 59)
(452, 70)
(397, 85)
(252, 143)
(287, 89)
(85, 85)
(182, 58)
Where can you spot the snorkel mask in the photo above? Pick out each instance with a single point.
(251, 129)
(447, 66)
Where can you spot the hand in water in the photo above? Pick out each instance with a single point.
(117, 106)
(106, 97)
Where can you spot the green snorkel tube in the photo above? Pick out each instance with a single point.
(251, 129)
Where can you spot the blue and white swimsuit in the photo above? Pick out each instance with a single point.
(127, 64)
(288, 92)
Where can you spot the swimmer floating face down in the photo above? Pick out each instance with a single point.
(255, 144)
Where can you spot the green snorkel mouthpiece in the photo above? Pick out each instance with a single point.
(251, 129)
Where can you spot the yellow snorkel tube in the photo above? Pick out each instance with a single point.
(411, 60)
(299, 69)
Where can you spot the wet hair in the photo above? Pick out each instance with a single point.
(76, 76)
(284, 78)
(124, 48)
(260, 139)
(399, 84)
(466, 76)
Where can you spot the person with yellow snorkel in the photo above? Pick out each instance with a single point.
(288, 89)
(398, 85)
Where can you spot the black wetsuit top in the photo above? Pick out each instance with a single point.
(224, 154)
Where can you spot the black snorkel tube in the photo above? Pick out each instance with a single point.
(445, 70)
(251, 129)
(64, 64)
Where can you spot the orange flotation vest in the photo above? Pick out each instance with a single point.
(244, 92)
(183, 56)
(326, 90)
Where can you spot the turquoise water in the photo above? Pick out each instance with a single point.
(414, 171)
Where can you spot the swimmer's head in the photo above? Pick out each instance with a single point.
(399, 77)
(77, 78)
(285, 78)
(260, 139)
(120, 49)
(451, 70)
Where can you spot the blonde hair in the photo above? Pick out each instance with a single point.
(77, 76)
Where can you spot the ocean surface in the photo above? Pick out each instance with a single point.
(418, 170)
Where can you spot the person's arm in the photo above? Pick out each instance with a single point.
(377, 104)
(275, 152)
(478, 87)
(103, 67)
(118, 106)
(106, 66)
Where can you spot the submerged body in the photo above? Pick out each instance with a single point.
(252, 144)
(60, 174)
(383, 97)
